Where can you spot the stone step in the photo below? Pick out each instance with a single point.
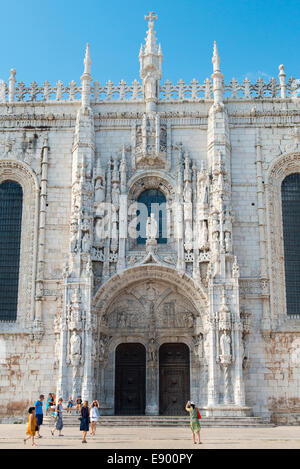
(165, 421)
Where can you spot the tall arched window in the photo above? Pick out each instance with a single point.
(154, 202)
(290, 193)
(11, 199)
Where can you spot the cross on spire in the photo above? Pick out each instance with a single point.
(151, 17)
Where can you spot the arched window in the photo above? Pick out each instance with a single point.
(290, 193)
(154, 202)
(11, 199)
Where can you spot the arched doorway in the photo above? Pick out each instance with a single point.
(130, 379)
(174, 378)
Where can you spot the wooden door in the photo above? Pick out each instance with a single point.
(130, 379)
(174, 379)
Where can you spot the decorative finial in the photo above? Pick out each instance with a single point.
(87, 60)
(216, 58)
(217, 77)
(282, 80)
(151, 57)
(86, 80)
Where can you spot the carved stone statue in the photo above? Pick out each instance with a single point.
(216, 242)
(151, 227)
(152, 350)
(99, 190)
(75, 346)
(86, 242)
(189, 320)
(74, 241)
(198, 348)
(225, 344)
(203, 238)
(187, 192)
(150, 87)
(101, 350)
(228, 243)
(115, 195)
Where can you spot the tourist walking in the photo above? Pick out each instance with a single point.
(49, 402)
(70, 404)
(39, 414)
(78, 404)
(31, 428)
(94, 416)
(85, 420)
(194, 420)
(58, 418)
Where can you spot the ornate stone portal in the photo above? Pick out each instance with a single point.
(152, 295)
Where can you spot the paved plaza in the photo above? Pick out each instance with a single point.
(11, 437)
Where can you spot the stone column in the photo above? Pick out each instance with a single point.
(239, 388)
(212, 365)
(238, 380)
(87, 386)
(63, 370)
(152, 388)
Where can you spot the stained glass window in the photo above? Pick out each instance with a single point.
(154, 202)
(290, 193)
(11, 199)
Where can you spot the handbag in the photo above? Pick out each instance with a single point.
(198, 414)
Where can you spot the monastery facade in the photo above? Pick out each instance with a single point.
(150, 243)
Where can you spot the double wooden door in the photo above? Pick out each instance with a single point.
(130, 379)
(174, 379)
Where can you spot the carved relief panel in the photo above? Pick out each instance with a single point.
(150, 306)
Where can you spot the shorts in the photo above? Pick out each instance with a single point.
(69, 405)
(39, 419)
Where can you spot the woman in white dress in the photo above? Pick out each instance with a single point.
(94, 416)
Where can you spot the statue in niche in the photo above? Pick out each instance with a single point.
(187, 192)
(215, 222)
(151, 227)
(150, 87)
(228, 243)
(203, 235)
(198, 348)
(74, 245)
(225, 344)
(152, 350)
(76, 204)
(75, 346)
(216, 242)
(202, 190)
(86, 242)
(101, 350)
(115, 195)
(99, 190)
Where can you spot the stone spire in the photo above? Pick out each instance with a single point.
(86, 80)
(217, 77)
(150, 65)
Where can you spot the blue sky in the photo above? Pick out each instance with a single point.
(45, 39)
